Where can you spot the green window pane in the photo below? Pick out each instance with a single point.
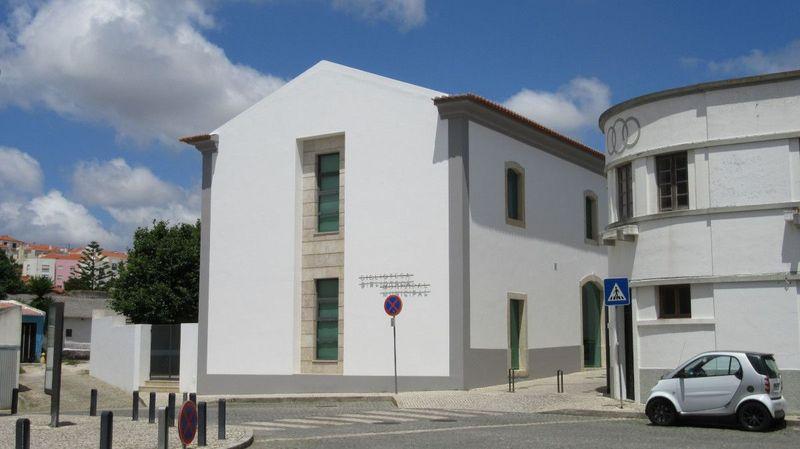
(329, 163)
(330, 352)
(328, 310)
(327, 319)
(329, 203)
(329, 182)
(512, 178)
(327, 288)
(329, 223)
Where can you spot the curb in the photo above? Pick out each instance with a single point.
(243, 444)
(300, 399)
(596, 413)
(792, 421)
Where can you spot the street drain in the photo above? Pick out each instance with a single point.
(442, 420)
(387, 422)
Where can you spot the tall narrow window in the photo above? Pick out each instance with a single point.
(590, 216)
(673, 182)
(328, 192)
(327, 319)
(515, 194)
(624, 192)
(674, 301)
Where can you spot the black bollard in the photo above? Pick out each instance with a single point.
(163, 428)
(193, 398)
(93, 403)
(14, 400)
(221, 420)
(23, 434)
(151, 408)
(106, 429)
(135, 406)
(171, 410)
(201, 424)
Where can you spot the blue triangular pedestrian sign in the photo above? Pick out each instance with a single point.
(617, 292)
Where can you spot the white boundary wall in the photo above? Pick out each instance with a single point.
(188, 380)
(120, 353)
(10, 331)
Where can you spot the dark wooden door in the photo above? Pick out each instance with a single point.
(165, 351)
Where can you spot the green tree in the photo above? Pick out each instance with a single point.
(76, 283)
(160, 282)
(10, 276)
(93, 269)
(41, 286)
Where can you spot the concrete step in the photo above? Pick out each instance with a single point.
(160, 386)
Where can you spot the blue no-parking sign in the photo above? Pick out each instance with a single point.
(617, 292)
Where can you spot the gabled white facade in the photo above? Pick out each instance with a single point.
(737, 243)
(421, 193)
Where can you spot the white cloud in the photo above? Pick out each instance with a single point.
(406, 13)
(115, 183)
(133, 196)
(141, 66)
(19, 173)
(574, 107)
(53, 219)
(755, 61)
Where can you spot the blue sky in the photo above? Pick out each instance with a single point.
(94, 93)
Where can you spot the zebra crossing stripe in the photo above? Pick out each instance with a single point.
(437, 413)
(364, 420)
(388, 416)
(371, 419)
(479, 412)
(279, 424)
(459, 414)
(322, 420)
(413, 415)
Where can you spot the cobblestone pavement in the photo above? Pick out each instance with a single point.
(582, 391)
(84, 431)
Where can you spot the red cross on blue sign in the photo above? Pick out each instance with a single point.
(187, 422)
(393, 305)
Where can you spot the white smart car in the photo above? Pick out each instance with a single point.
(721, 383)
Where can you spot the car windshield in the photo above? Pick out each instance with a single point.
(764, 365)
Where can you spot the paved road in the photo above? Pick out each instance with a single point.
(381, 425)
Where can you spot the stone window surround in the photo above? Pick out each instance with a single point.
(322, 252)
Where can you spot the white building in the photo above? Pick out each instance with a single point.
(704, 189)
(345, 186)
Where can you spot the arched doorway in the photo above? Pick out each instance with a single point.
(593, 332)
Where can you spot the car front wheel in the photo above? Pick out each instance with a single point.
(754, 416)
(661, 412)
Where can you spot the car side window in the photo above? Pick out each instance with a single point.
(711, 366)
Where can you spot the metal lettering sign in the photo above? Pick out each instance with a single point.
(617, 292)
(395, 283)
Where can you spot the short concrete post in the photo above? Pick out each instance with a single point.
(171, 410)
(221, 420)
(93, 403)
(185, 397)
(106, 430)
(135, 406)
(151, 408)
(23, 434)
(201, 424)
(163, 428)
(14, 400)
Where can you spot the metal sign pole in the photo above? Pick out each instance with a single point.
(55, 344)
(619, 375)
(394, 335)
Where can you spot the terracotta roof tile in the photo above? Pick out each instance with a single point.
(519, 118)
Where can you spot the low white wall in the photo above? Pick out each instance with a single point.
(120, 353)
(188, 379)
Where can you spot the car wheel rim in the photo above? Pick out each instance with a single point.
(753, 416)
(662, 413)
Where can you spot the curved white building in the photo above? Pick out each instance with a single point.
(704, 189)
